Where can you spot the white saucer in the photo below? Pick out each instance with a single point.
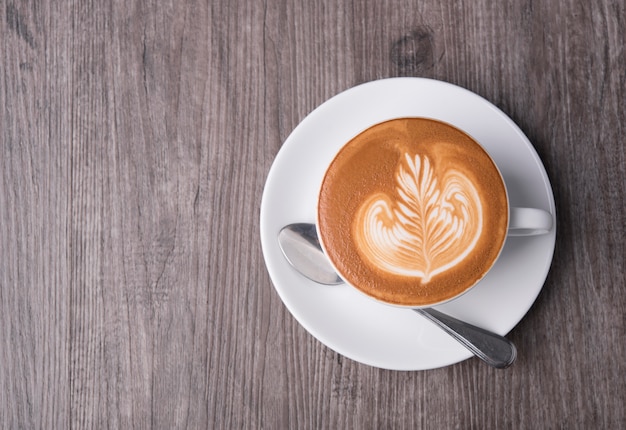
(344, 319)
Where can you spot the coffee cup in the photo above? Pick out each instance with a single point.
(414, 212)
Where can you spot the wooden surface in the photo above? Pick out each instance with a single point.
(135, 140)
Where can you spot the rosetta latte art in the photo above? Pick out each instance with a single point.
(430, 225)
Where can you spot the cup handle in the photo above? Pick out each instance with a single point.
(529, 222)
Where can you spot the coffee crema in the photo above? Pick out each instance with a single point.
(412, 211)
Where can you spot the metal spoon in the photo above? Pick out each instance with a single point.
(302, 250)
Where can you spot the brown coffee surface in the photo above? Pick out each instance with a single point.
(412, 212)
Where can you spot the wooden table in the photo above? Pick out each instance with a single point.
(135, 140)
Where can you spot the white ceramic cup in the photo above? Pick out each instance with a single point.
(522, 221)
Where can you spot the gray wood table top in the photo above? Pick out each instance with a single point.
(135, 141)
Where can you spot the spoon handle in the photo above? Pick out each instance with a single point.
(493, 349)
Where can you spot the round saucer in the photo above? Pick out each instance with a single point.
(344, 319)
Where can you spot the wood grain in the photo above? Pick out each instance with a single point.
(135, 140)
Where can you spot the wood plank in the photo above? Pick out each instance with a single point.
(34, 217)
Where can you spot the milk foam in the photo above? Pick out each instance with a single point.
(428, 226)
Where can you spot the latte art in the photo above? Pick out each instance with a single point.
(412, 211)
(429, 225)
